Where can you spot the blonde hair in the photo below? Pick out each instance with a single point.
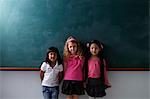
(66, 52)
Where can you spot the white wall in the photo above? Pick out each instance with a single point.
(26, 85)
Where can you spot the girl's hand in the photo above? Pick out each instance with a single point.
(107, 86)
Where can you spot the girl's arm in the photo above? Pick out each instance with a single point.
(60, 76)
(65, 66)
(84, 70)
(106, 82)
(41, 75)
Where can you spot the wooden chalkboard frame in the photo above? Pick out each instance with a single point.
(37, 69)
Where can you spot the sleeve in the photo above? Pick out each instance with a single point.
(107, 84)
(43, 66)
(60, 68)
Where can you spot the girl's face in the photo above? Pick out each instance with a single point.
(52, 56)
(94, 49)
(72, 47)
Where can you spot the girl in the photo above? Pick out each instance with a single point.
(73, 69)
(97, 80)
(51, 73)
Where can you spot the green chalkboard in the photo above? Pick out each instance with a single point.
(29, 27)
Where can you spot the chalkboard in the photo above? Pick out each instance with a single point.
(29, 27)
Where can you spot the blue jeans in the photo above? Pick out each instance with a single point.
(50, 92)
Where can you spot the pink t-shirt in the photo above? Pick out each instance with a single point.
(94, 67)
(74, 66)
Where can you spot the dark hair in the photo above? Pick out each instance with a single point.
(100, 45)
(100, 56)
(53, 49)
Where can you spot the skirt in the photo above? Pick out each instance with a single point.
(71, 87)
(95, 87)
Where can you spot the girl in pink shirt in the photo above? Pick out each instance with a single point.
(97, 80)
(73, 69)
